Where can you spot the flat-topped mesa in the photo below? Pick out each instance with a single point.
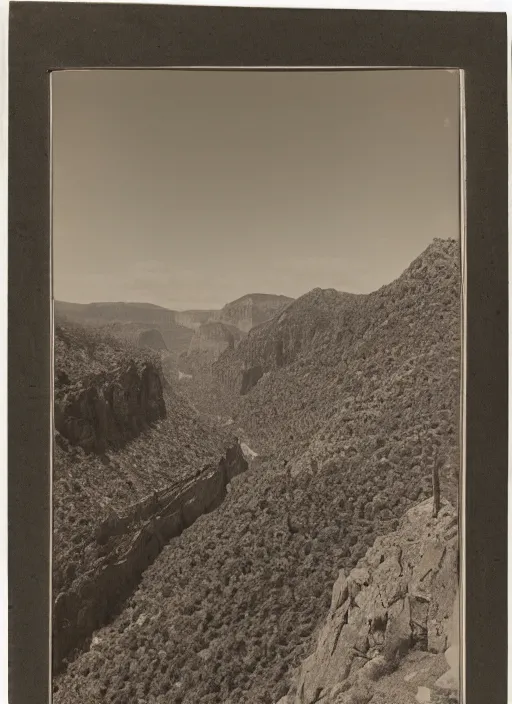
(146, 313)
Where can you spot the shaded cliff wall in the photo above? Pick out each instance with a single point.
(126, 545)
(109, 409)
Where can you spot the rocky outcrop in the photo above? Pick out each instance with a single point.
(398, 605)
(125, 545)
(109, 409)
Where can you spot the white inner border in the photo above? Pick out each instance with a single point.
(463, 289)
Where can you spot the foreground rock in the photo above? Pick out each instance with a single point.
(391, 634)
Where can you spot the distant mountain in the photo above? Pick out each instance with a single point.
(138, 316)
(176, 327)
(194, 318)
(122, 312)
(213, 338)
(252, 309)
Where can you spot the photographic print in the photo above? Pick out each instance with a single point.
(258, 340)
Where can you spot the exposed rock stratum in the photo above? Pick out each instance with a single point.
(396, 608)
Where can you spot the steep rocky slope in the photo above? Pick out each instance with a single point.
(228, 611)
(392, 628)
(377, 382)
(282, 339)
(123, 546)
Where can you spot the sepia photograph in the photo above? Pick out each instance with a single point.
(258, 340)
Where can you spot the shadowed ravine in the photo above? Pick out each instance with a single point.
(127, 545)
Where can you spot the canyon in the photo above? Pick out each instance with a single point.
(125, 546)
(249, 519)
(176, 327)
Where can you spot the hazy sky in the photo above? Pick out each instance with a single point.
(190, 189)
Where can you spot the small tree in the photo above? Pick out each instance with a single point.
(436, 490)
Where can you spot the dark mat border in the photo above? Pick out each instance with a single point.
(45, 36)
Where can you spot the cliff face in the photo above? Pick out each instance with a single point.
(391, 631)
(109, 409)
(125, 545)
(252, 310)
(211, 339)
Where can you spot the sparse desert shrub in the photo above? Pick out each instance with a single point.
(353, 408)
